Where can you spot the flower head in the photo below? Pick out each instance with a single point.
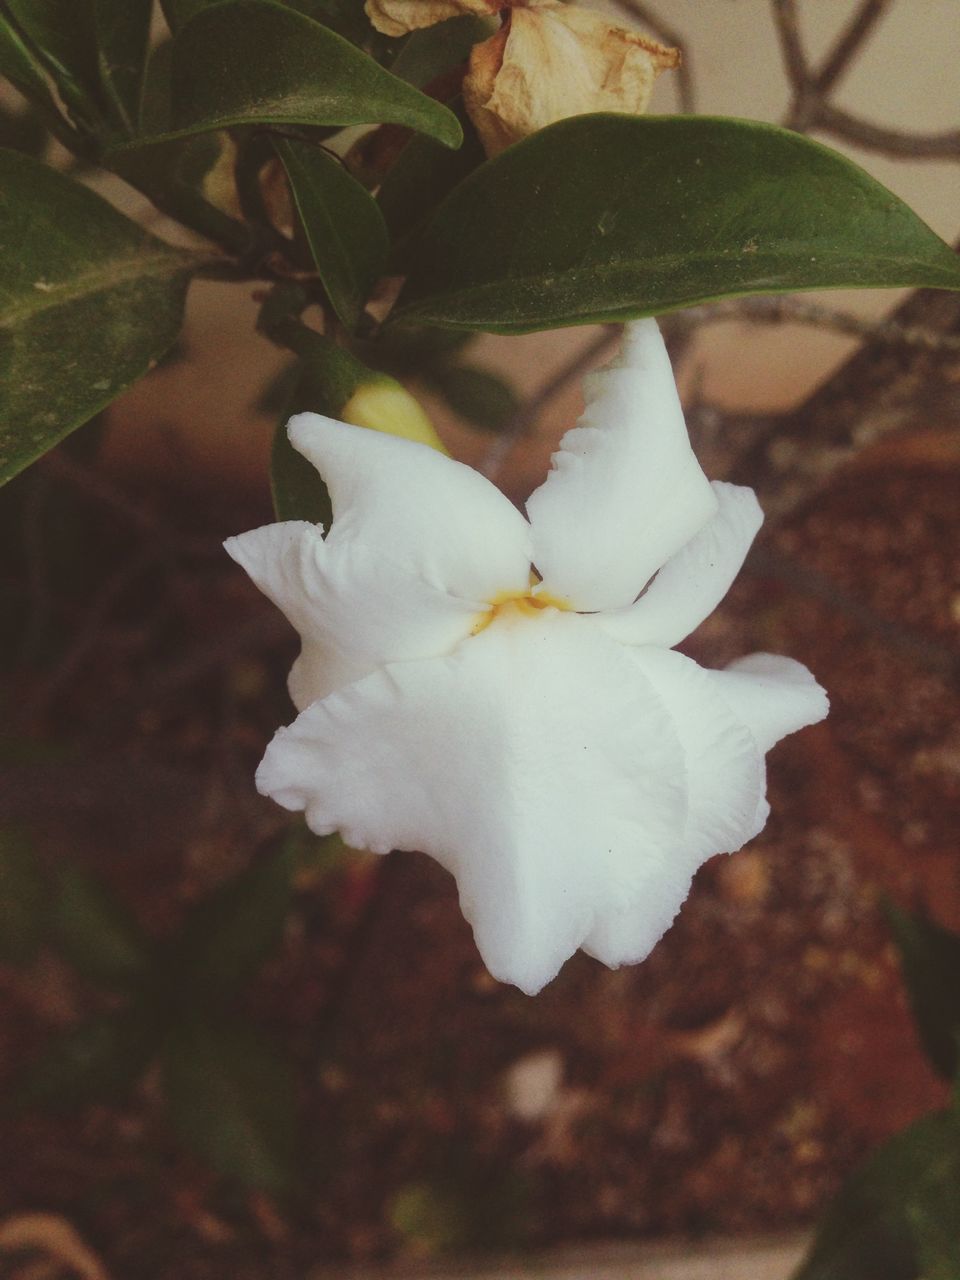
(503, 693)
(548, 61)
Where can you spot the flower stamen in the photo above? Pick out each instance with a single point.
(510, 602)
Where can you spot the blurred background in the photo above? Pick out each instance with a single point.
(230, 1049)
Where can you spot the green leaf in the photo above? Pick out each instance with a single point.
(297, 489)
(480, 397)
(63, 37)
(327, 379)
(19, 67)
(123, 39)
(96, 934)
(335, 383)
(95, 51)
(98, 1060)
(231, 1099)
(258, 62)
(610, 217)
(88, 302)
(24, 897)
(930, 959)
(226, 937)
(887, 1221)
(429, 52)
(344, 228)
(346, 17)
(423, 173)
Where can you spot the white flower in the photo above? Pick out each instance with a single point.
(535, 733)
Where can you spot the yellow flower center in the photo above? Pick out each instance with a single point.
(509, 603)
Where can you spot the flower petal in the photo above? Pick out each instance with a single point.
(693, 582)
(536, 762)
(354, 610)
(773, 696)
(726, 806)
(428, 515)
(625, 491)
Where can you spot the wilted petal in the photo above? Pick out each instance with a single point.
(625, 491)
(397, 17)
(773, 696)
(693, 582)
(354, 609)
(555, 61)
(419, 510)
(536, 762)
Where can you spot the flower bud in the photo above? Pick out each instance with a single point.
(384, 405)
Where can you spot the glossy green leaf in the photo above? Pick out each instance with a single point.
(422, 175)
(343, 226)
(481, 398)
(886, 1223)
(18, 65)
(62, 36)
(231, 1097)
(172, 173)
(88, 302)
(24, 898)
(431, 51)
(96, 1061)
(335, 383)
(123, 40)
(227, 936)
(259, 62)
(609, 217)
(95, 932)
(328, 377)
(346, 17)
(930, 959)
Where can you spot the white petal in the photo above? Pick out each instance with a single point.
(725, 799)
(625, 491)
(426, 513)
(694, 581)
(536, 762)
(354, 610)
(774, 696)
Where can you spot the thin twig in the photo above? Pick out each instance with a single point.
(668, 35)
(854, 35)
(791, 310)
(791, 46)
(525, 418)
(810, 108)
(891, 142)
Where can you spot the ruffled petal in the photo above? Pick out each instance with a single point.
(625, 491)
(426, 514)
(354, 610)
(726, 807)
(772, 695)
(537, 763)
(694, 581)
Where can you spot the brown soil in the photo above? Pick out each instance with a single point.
(726, 1085)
